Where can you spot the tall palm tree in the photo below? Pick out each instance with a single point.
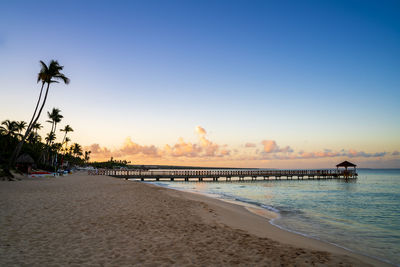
(47, 75)
(66, 130)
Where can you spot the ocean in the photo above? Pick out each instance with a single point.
(361, 215)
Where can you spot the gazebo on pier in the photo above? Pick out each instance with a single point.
(345, 165)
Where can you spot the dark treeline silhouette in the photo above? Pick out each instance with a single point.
(110, 164)
(48, 155)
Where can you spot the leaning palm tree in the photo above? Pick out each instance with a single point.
(47, 75)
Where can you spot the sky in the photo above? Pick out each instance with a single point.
(270, 84)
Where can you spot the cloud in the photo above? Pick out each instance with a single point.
(270, 146)
(351, 153)
(182, 149)
(200, 130)
(249, 145)
(206, 150)
(132, 148)
(98, 152)
(326, 153)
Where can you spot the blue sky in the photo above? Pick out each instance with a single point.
(311, 75)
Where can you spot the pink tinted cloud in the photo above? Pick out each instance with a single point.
(182, 149)
(270, 146)
(205, 149)
(200, 130)
(98, 151)
(132, 148)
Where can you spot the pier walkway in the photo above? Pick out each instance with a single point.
(225, 175)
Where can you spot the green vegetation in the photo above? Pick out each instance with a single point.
(48, 155)
(21, 151)
(44, 153)
(47, 75)
(110, 164)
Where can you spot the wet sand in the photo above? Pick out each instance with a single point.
(100, 220)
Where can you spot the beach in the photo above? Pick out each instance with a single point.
(100, 220)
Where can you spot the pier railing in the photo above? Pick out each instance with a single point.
(216, 174)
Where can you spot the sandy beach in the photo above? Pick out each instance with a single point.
(103, 221)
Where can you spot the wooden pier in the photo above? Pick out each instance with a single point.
(225, 175)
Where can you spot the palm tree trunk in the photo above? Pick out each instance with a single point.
(15, 154)
(37, 105)
(51, 131)
(65, 135)
(54, 131)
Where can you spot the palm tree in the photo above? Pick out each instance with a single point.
(55, 117)
(34, 137)
(48, 74)
(77, 149)
(50, 137)
(21, 125)
(67, 139)
(66, 130)
(10, 128)
(37, 126)
(87, 155)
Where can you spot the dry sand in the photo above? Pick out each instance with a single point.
(102, 221)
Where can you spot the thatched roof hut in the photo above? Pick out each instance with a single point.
(346, 164)
(25, 159)
(24, 163)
